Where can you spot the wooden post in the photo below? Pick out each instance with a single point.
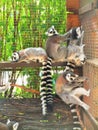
(91, 118)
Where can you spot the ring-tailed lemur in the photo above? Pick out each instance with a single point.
(10, 125)
(56, 52)
(69, 87)
(37, 55)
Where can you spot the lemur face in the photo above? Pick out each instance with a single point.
(70, 76)
(15, 57)
(12, 125)
(51, 31)
(76, 54)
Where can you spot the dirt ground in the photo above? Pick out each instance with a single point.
(28, 113)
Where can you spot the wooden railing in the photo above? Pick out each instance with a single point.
(16, 65)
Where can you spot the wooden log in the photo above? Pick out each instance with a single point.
(14, 65)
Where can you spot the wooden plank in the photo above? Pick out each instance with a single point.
(85, 2)
(93, 62)
(15, 65)
(86, 8)
(27, 112)
(91, 118)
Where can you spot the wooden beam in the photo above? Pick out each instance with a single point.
(88, 7)
(91, 119)
(15, 65)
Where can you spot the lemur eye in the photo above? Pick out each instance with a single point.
(50, 31)
(72, 78)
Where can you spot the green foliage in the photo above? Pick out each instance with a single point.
(21, 93)
(23, 24)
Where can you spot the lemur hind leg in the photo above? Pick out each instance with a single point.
(76, 100)
(81, 91)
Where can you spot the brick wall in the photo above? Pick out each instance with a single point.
(86, 13)
(89, 21)
(90, 70)
(90, 24)
(72, 17)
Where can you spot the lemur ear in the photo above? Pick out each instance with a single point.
(15, 126)
(46, 33)
(81, 27)
(53, 26)
(8, 121)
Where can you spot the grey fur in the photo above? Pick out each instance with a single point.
(70, 92)
(59, 52)
(30, 54)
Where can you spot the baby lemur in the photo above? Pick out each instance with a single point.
(69, 88)
(10, 125)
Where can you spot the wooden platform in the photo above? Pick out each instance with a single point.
(28, 113)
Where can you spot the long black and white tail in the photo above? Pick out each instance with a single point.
(49, 85)
(46, 88)
(43, 88)
(76, 122)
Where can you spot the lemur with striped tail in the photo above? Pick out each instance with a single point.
(36, 54)
(56, 52)
(69, 87)
(45, 57)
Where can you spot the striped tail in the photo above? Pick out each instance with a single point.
(49, 86)
(76, 122)
(43, 89)
(70, 66)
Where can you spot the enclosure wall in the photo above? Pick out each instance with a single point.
(89, 20)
